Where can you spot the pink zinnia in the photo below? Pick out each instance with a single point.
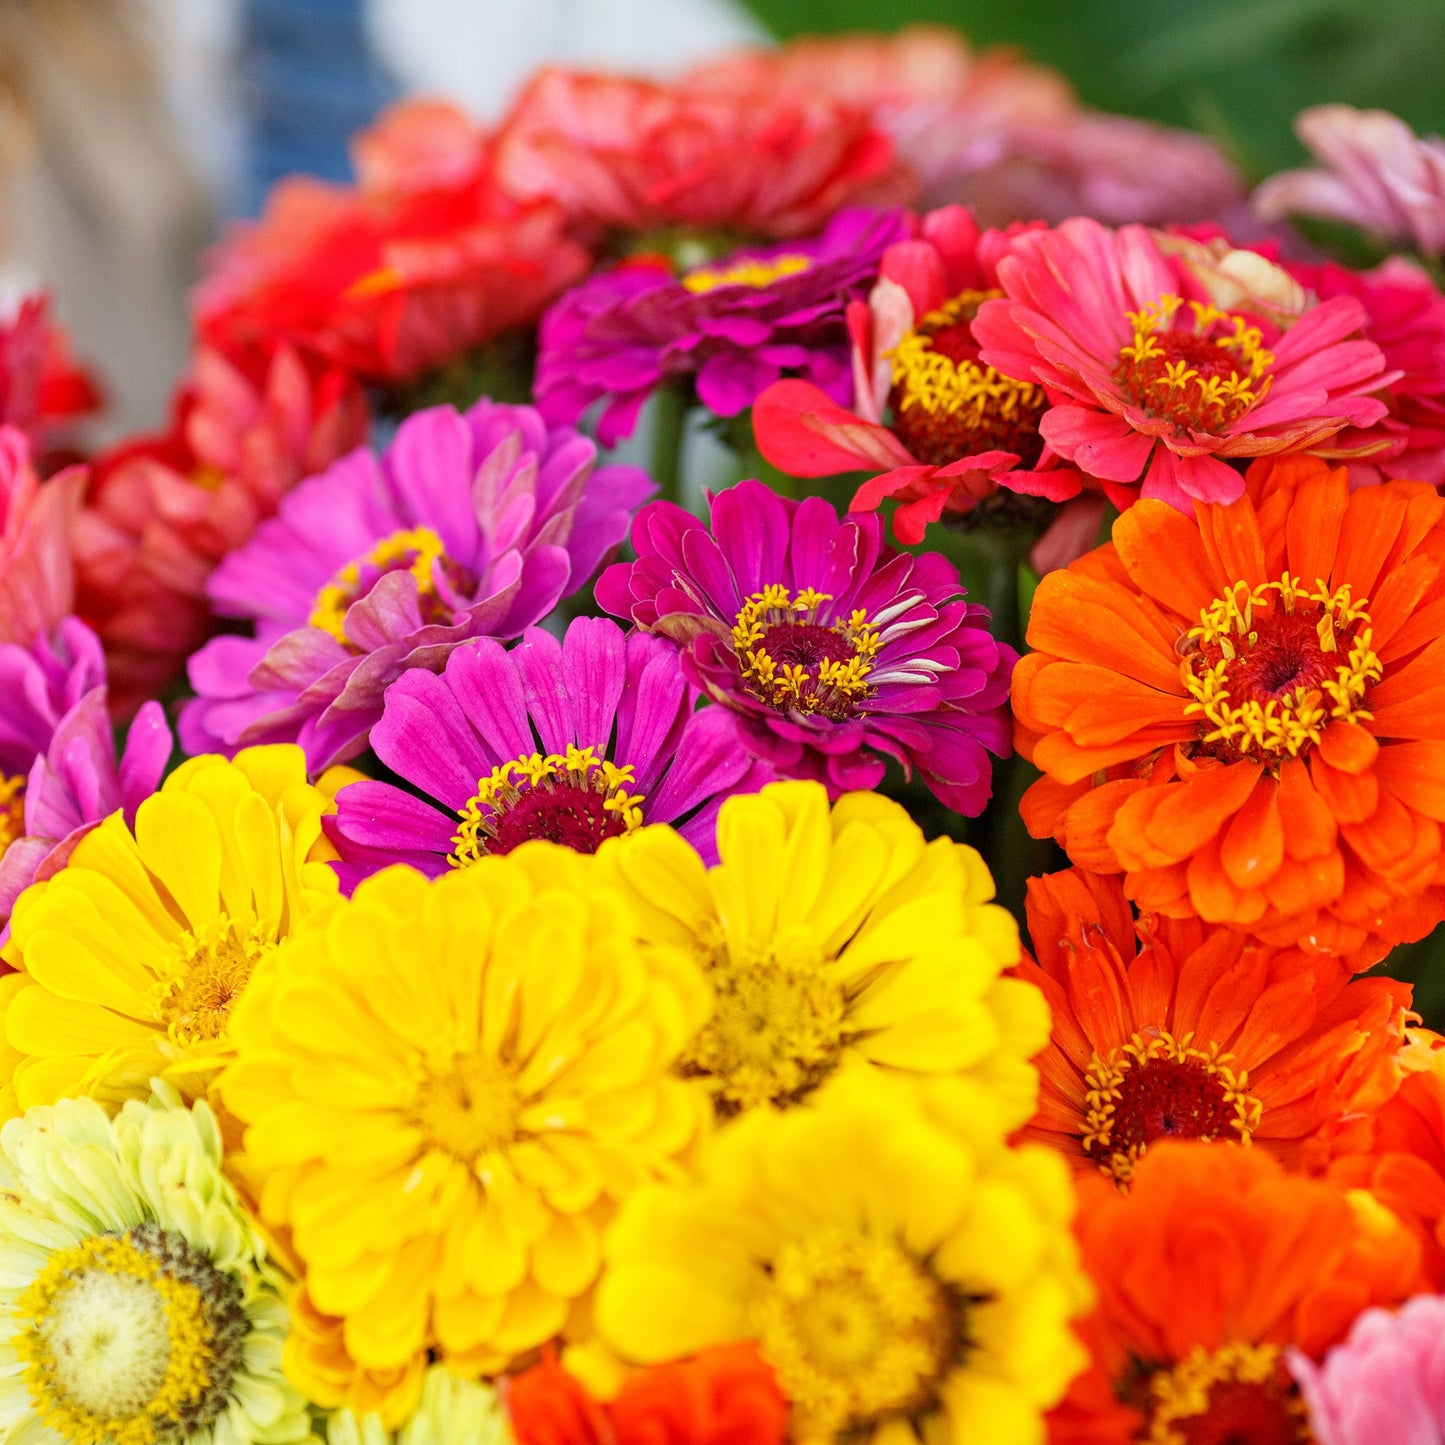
(1377, 174)
(1385, 1385)
(1150, 384)
(37, 578)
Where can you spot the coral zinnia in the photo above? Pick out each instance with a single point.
(1211, 1265)
(735, 324)
(133, 955)
(1166, 1028)
(626, 153)
(905, 1274)
(490, 1056)
(1241, 713)
(37, 575)
(1156, 390)
(468, 525)
(575, 742)
(833, 650)
(835, 939)
(40, 386)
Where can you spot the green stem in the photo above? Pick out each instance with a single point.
(669, 421)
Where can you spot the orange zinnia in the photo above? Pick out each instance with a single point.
(1172, 1028)
(1212, 1264)
(1242, 711)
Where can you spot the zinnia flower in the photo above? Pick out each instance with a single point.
(1156, 390)
(734, 325)
(37, 577)
(575, 742)
(633, 155)
(835, 939)
(1211, 1266)
(833, 650)
(1239, 711)
(487, 1060)
(162, 511)
(450, 1410)
(139, 1301)
(1376, 173)
(904, 1273)
(468, 525)
(722, 1396)
(133, 955)
(1172, 1029)
(1385, 1382)
(398, 277)
(41, 388)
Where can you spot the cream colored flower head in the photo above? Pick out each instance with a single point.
(452, 1411)
(141, 1307)
(837, 937)
(448, 1088)
(132, 956)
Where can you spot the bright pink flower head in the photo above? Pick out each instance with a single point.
(1377, 174)
(1385, 1385)
(40, 386)
(634, 155)
(1155, 391)
(163, 511)
(37, 576)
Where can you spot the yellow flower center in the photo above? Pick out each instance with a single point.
(1239, 1392)
(1196, 366)
(794, 660)
(471, 1109)
(755, 271)
(856, 1329)
(12, 810)
(776, 1031)
(416, 551)
(212, 969)
(1159, 1087)
(1270, 667)
(576, 799)
(947, 404)
(130, 1339)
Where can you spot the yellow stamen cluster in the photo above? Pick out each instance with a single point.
(825, 685)
(211, 971)
(1187, 372)
(12, 810)
(471, 1109)
(931, 381)
(65, 1322)
(1183, 1393)
(417, 549)
(1105, 1085)
(855, 1329)
(1231, 628)
(752, 271)
(578, 768)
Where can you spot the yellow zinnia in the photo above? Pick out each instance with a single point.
(132, 956)
(448, 1087)
(906, 1275)
(836, 936)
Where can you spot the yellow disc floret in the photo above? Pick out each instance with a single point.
(12, 810)
(416, 550)
(754, 271)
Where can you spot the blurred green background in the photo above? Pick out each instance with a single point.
(1238, 70)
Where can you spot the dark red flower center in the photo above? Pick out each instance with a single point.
(1239, 1394)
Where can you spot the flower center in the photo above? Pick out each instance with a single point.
(1236, 1395)
(212, 970)
(947, 404)
(856, 1329)
(794, 661)
(471, 1110)
(1198, 367)
(12, 810)
(418, 551)
(130, 1339)
(1160, 1087)
(755, 271)
(575, 799)
(1270, 667)
(775, 1033)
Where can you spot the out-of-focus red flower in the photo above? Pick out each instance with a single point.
(424, 261)
(723, 1396)
(41, 387)
(630, 154)
(37, 580)
(162, 511)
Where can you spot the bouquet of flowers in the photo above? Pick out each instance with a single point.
(517, 809)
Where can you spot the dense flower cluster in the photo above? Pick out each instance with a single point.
(550, 956)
